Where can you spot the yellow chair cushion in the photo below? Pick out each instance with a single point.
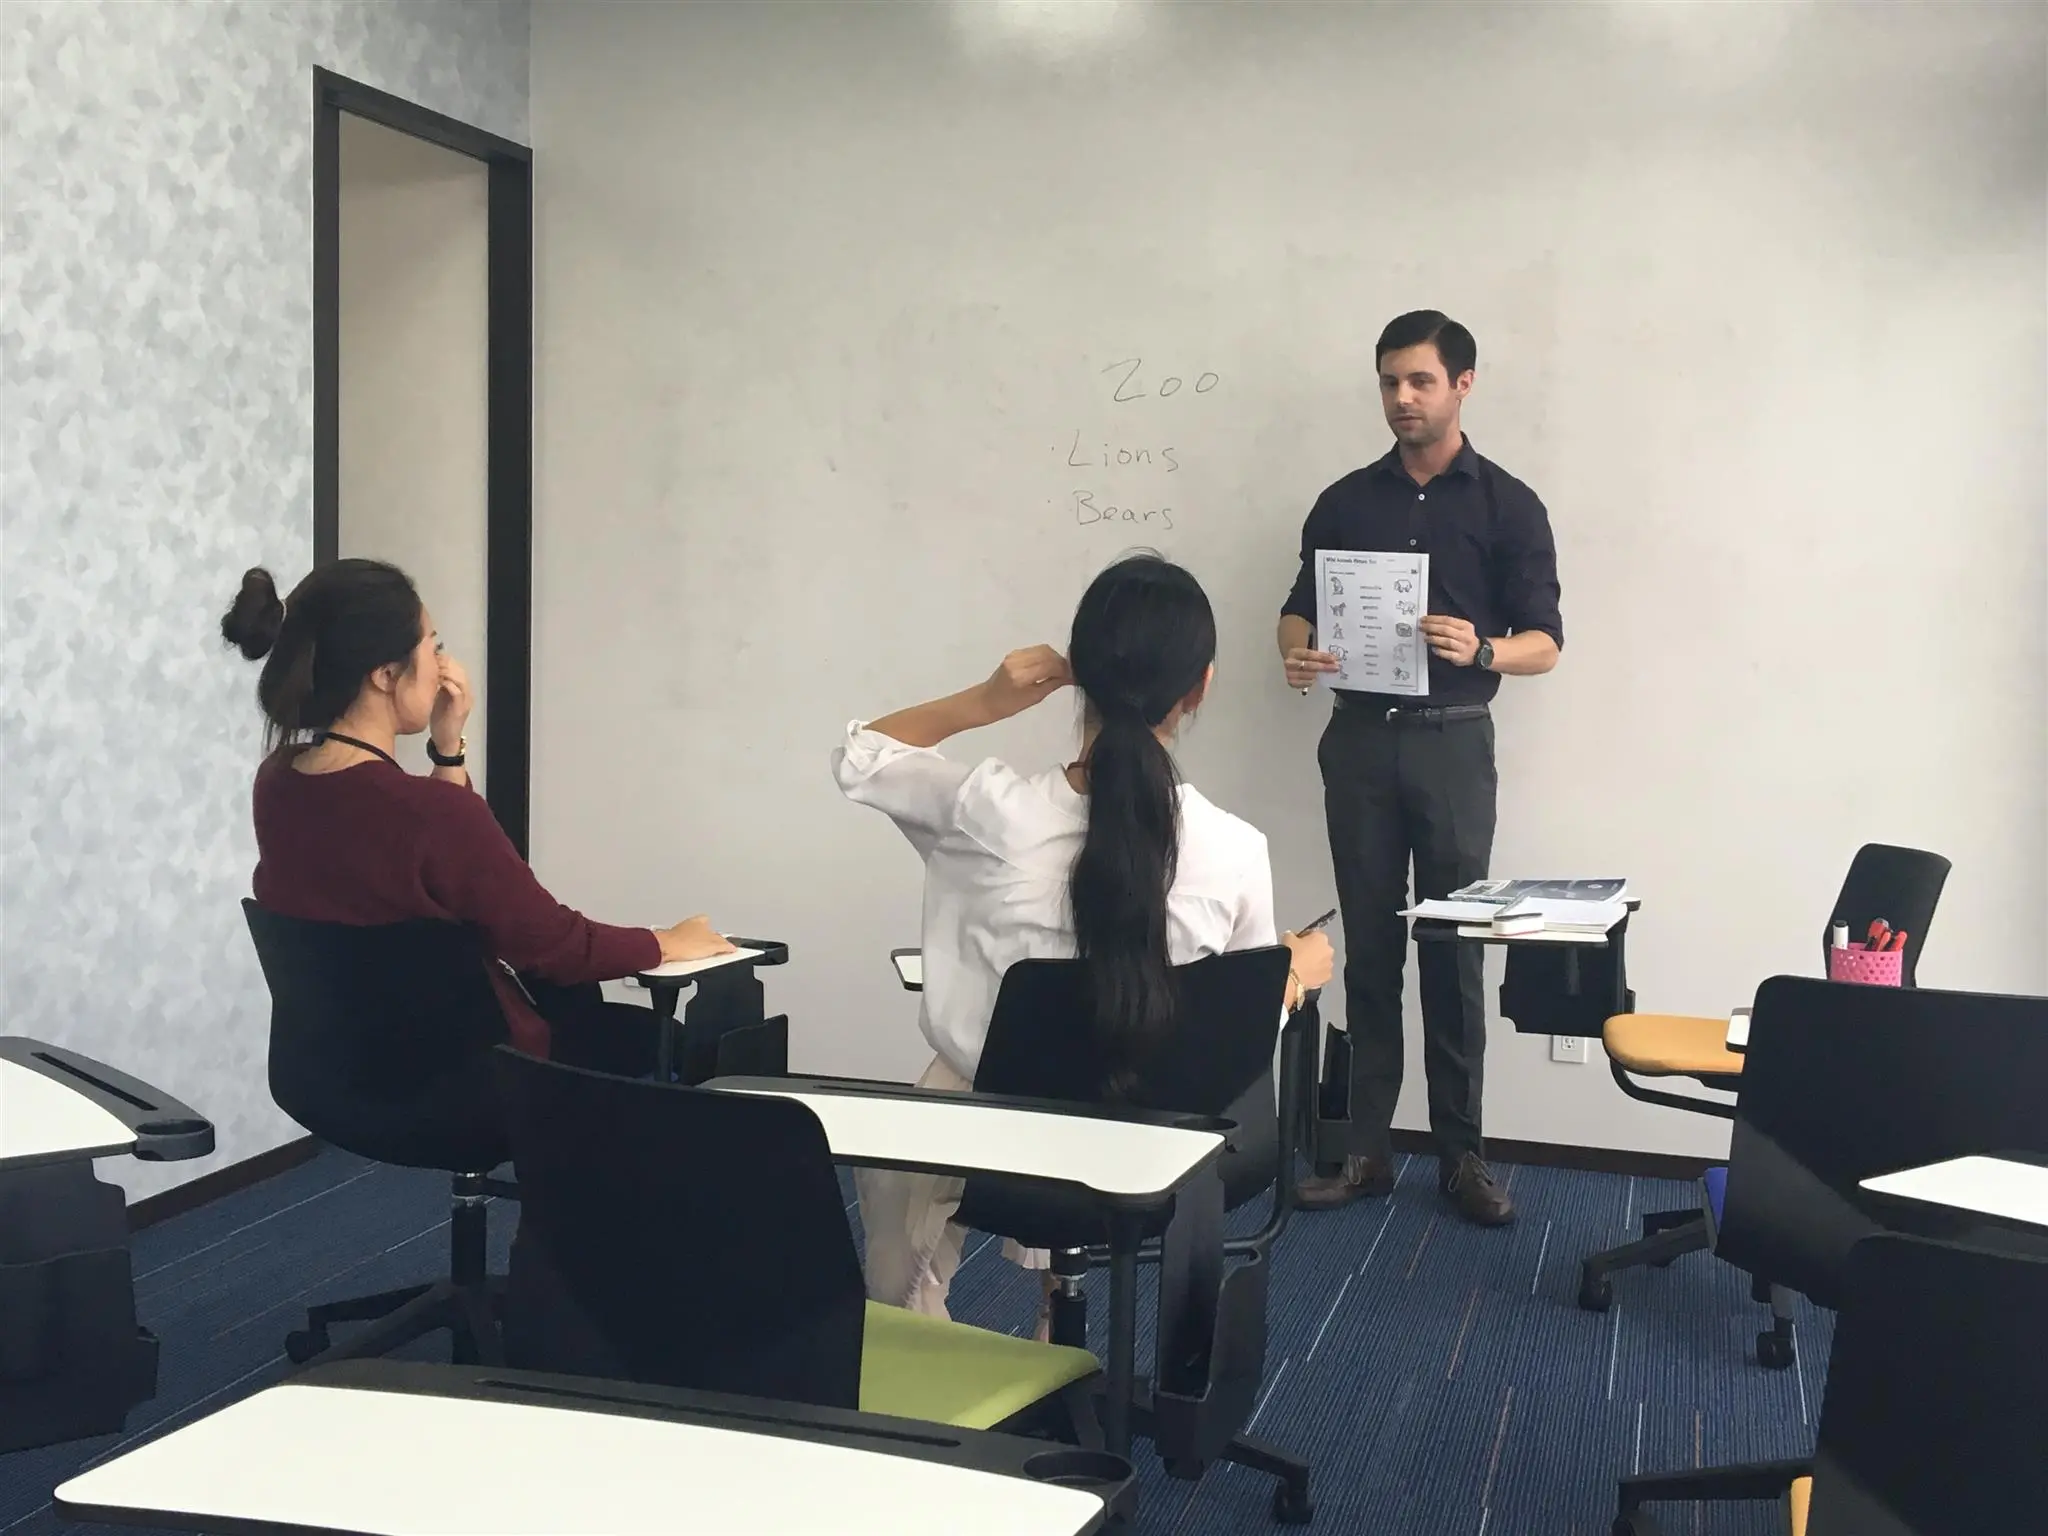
(1798, 1499)
(1670, 1045)
(918, 1367)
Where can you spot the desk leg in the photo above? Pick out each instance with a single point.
(1123, 1335)
(664, 1000)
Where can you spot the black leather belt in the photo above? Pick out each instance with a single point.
(1368, 707)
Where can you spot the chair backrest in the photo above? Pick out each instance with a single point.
(1042, 1043)
(679, 1236)
(381, 1038)
(1218, 1059)
(1935, 1421)
(1900, 885)
(1841, 1082)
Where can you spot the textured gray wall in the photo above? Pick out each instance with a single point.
(155, 438)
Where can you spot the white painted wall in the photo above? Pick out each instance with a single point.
(825, 295)
(415, 384)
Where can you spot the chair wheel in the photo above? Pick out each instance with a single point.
(1292, 1504)
(1596, 1293)
(303, 1344)
(1774, 1351)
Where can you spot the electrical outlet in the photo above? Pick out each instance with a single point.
(1568, 1048)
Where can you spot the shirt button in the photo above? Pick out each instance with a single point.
(1420, 497)
(1411, 543)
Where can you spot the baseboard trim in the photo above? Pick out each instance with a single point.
(1546, 1154)
(209, 1187)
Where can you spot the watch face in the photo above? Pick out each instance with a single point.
(1485, 657)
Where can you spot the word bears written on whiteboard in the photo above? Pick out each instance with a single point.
(1088, 511)
(1131, 382)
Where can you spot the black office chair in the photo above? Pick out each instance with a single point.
(1219, 1062)
(687, 1237)
(380, 1044)
(1843, 1082)
(1936, 1402)
(1902, 886)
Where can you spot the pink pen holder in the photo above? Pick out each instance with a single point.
(1867, 967)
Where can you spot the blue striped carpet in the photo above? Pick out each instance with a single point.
(1439, 1377)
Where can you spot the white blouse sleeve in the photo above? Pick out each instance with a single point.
(915, 787)
(1252, 927)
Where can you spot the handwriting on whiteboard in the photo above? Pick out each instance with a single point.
(1126, 462)
(1130, 382)
(1086, 455)
(1088, 511)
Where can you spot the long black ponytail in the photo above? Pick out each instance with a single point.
(1143, 640)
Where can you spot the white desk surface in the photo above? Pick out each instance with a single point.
(43, 1121)
(407, 1464)
(676, 970)
(1989, 1186)
(1116, 1158)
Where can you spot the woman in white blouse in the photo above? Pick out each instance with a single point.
(1110, 859)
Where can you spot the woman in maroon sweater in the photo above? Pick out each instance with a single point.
(345, 835)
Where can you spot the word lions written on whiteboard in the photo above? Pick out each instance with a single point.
(1132, 464)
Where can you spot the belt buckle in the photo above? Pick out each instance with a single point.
(1393, 713)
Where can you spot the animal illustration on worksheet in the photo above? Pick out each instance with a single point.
(1337, 610)
(1403, 584)
(1405, 631)
(1406, 610)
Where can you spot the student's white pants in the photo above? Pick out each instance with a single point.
(914, 1245)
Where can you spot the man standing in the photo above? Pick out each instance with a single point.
(1413, 778)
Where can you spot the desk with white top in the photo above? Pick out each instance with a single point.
(1129, 1164)
(726, 1026)
(2011, 1189)
(57, 1106)
(391, 1448)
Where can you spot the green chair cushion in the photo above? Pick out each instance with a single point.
(918, 1367)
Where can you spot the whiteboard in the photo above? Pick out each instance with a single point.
(868, 334)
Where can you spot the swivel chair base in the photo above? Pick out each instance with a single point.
(468, 1304)
(1749, 1480)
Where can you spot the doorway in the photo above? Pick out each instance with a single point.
(423, 389)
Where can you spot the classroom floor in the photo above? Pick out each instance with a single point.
(1438, 1376)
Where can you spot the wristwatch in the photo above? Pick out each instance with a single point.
(1484, 659)
(461, 756)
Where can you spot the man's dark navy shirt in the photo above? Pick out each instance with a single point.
(1492, 559)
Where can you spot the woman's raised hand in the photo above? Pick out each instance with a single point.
(1025, 678)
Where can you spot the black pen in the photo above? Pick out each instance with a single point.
(1318, 923)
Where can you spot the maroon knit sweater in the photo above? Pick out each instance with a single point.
(374, 844)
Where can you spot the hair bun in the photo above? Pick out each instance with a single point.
(254, 618)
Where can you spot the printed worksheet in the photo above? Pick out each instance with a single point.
(1369, 606)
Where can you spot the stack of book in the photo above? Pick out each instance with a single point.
(1512, 908)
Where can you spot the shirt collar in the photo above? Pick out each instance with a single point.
(1465, 462)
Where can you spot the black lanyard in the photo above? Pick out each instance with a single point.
(362, 746)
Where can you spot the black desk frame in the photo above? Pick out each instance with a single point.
(725, 1029)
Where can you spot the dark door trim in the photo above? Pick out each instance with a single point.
(508, 650)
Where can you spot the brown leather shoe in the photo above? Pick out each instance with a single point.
(1359, 1177)
(1471, 1188)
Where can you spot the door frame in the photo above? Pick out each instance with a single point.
(508, 515)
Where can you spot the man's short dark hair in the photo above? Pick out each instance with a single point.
(1454, 344)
